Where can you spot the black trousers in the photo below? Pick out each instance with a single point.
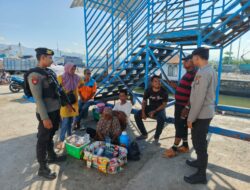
(181, 130)
(160, 117)
(45, 144)
(199, 138)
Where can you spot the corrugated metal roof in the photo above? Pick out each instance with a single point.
(124, 6)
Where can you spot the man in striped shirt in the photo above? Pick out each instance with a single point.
(182, 95)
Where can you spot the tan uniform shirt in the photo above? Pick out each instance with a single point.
(37, 83)
(202, 98)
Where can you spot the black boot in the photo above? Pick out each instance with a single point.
(197, 178)
(192, 163)
(56, 159)
(44, 171)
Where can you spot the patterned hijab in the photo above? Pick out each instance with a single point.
(70, 81)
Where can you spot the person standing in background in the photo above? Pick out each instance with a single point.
(70, 83)
(182, 107)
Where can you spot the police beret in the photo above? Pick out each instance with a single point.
(44, 51)
(187, 57)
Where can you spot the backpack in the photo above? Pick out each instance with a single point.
(134, 151)
(26, 87)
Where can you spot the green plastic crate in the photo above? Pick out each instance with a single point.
(74, 151)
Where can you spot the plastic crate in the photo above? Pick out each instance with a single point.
(74, 151)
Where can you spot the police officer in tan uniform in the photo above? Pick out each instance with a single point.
(202, 110)
(41, 82)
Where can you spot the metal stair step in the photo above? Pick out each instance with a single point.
(178, 39)
(110, 87)
(247, 10)
(133, 75)
(233, 21)
(158, 46)
(136, 61)
(106, 98)
(234, 33)
(136, 80)
(141, 75)
(213, 36)
(176, 36)
(115, 92)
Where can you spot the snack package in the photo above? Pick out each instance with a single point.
(86, 155)
(112, 167)
(102, 164)
(95, 161)
(89, 163)
(89, 160)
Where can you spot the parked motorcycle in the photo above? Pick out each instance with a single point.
(16, 84)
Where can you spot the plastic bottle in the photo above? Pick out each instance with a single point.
(124, 139)
(100, 151)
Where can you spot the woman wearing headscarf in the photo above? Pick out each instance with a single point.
(70, 82)
(107, 126)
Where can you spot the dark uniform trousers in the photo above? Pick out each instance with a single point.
(45, 144)
(181, 130)
(199, 138)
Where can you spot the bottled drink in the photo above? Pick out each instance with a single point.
(124, 139)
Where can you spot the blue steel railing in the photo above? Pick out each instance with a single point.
(106, 47)
(115, 30)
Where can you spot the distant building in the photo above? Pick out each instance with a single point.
(171, 69)
(75, 60)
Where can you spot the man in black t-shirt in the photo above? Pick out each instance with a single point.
(158, 98)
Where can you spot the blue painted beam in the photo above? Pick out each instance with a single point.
(233, 109)
(229, 133)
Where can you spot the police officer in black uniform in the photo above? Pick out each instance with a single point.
(42, 86)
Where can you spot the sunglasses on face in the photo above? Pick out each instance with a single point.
(88, 73)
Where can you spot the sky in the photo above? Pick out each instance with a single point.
(46, 23)
(52, 23)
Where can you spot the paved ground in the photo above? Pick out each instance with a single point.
(228, 158)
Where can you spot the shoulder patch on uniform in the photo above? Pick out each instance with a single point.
(35, 80)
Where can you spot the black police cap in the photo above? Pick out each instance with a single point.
(187, 57)
(202, 52)
(44, 51)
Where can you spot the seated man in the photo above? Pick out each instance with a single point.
(158, 98)
(87, 92)
(124, 105)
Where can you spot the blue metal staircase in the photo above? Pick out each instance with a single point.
(127, 41)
